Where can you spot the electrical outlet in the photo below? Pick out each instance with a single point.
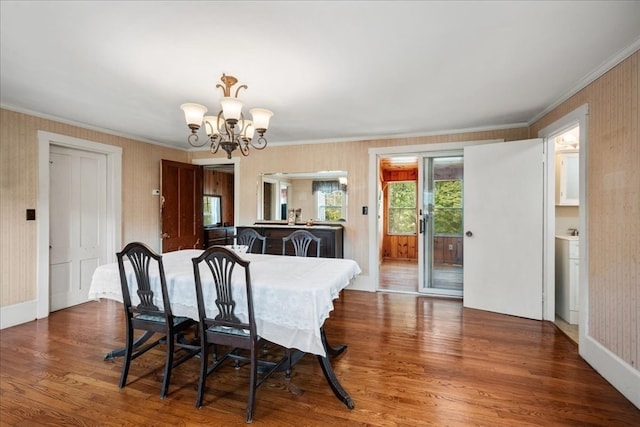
(450, 247)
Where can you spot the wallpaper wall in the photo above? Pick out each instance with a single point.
(613, 194)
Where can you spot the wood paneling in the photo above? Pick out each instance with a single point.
(399, 175)
(447, 250)
(397, 246)
(216, 183)
(411, 361)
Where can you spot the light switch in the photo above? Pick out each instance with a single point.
(31, 214)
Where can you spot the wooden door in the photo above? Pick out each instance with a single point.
(181, 188)
(503, 223)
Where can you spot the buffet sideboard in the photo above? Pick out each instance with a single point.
(331, 245)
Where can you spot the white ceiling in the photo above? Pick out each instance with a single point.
(330, 71)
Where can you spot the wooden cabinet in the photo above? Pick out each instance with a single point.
(567, 267)
(331, 245)
(567, 178)
(218, 236)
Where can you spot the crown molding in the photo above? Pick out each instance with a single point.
(590, 78)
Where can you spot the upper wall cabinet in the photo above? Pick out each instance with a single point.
(567, 178)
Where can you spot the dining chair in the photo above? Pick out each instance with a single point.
(223, 327)
(301, 240)
(153, 313)
(248, 236)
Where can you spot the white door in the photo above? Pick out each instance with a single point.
(77, 214)
(503, 224)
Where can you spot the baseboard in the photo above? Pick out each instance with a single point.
(624, 377)
(362, 283)
(12, 315)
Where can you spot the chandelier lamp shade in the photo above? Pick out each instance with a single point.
(228, 130)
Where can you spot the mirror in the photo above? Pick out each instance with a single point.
(211, 211)
(308, 196)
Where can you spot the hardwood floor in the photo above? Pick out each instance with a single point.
(400, 275)
(570, 330)
(411, 361)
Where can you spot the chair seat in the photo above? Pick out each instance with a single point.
(229, 330)
(159, 319)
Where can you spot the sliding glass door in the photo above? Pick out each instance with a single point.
(440, 224)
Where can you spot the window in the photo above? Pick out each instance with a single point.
(402, 207)
(211, 211)
(330, 205)
(447, 207)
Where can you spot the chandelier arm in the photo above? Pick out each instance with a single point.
(215, 144)
(222, 121)
(240, 128)
(241, 87)
(193, 138)
(261, 144)
(229, 131)
(244, 149)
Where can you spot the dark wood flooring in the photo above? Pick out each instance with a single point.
(411, 361)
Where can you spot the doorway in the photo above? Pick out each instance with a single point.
(491, 265)
(558, 223)
(441, 219)
(113, 206)
(230, 167)
(421, 217)
(399, 223)
(564, 150)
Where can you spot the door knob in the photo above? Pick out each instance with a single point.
(165, 235)
(468, 234)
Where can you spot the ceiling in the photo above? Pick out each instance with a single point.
(330, 71)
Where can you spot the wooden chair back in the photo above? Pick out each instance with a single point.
(301, 241)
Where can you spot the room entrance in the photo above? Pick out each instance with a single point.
(440, 225)
(421, 223)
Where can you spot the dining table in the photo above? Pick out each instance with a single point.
(292, 298)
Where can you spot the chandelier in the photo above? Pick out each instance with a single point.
(229, 129)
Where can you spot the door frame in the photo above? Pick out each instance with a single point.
(375, 190)
(579, 117)
(114, 205)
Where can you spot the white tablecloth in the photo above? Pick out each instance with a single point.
(292, 296)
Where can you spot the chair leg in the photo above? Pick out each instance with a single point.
(204, 358)
(168, 364)
(126, 362)
(253, 376)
